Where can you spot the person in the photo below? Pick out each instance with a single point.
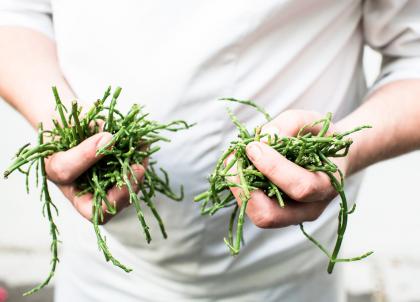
(295, 58)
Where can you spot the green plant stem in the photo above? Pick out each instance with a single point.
(53, 228)
(134, 142)
(309, 150)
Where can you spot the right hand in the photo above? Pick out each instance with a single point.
(307, 193)
(64, 167)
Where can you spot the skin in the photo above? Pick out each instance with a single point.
(26, 80)
(393, 111)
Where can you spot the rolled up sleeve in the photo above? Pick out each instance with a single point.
(33, 14)
(392, 27)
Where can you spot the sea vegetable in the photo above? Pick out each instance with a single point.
(309, 150)
(134, 141)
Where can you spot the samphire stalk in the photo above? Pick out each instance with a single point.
(134, 140)
(311, 151)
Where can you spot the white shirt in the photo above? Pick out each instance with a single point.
(177, 58)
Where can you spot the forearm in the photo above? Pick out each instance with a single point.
(28, 69)
(393, 111)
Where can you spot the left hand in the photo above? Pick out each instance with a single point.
(308, 193)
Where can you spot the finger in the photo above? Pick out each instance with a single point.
(298, 183)
(64, 167)
(82, 203)
(119, 197)
(265, 212)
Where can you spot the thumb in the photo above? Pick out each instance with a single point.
(64, 167)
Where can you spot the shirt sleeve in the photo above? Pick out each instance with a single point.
(33, 14)
(392, 27)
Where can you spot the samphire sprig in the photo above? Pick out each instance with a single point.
(134, 140)
(308, 150)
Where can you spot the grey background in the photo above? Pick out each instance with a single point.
(386, 221)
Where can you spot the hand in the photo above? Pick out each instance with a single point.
(64, 167)
(308, 193)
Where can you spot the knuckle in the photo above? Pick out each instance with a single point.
(86, 153)
(59, 173)
(265, 221)
(139, 171)
(313, 215)
(271, 168)
(65, 176)
(52, 168)
(303, 190)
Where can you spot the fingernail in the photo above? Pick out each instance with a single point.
(105, 139)
(253, 150)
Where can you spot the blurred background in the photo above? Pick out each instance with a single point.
(386, 221)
